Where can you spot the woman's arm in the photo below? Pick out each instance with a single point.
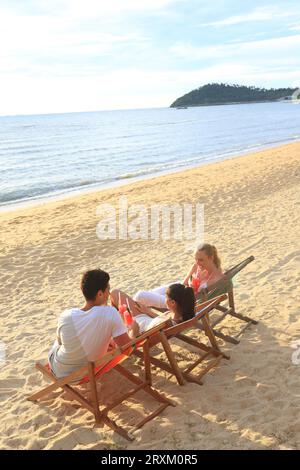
(144, 309)
(190, 273)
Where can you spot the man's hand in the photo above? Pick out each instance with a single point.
(134, 330)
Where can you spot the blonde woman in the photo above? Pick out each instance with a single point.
(206, 268)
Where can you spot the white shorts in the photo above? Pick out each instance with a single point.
(146, 323)
(154, 297)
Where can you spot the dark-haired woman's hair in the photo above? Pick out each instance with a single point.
(185, 299)
(93, 281)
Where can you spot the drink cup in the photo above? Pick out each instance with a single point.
(195, 284)
(122, 309)
(128, 320)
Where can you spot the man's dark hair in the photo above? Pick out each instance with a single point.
(93, 281)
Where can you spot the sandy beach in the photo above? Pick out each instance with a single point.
(252, 401)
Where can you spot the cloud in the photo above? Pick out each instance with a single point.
(59, 25)
(265, 13)
(294, 28)
(29, 42)
(70, 9)
(266, 48)
(70, 55)
(93, 8)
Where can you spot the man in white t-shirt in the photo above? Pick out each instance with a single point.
(84, 334)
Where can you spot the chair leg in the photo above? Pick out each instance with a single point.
(151, 416)
(171, 358)
(163, 365)
(45, 391)
(94, 394)
(234, 313)
(202, 346)
(230, 311)
(147, 388)
(243, 318)
(147, 363)
(113, 425)
(210, 333)
(228, 339)
(211, 365)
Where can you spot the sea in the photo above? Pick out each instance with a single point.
(51, 156)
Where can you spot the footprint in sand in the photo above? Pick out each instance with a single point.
(11, 384)
(50, 431)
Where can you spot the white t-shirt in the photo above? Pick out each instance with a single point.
(146, 323)
(85, 336)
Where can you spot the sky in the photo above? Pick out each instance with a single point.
(88, 55)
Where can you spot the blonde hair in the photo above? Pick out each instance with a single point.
(211, 251)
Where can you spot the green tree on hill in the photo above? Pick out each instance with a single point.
(221, 93)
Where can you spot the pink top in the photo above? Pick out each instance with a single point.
(202, 275)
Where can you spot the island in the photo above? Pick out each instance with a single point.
(223, 93)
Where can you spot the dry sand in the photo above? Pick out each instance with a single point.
(252, 206)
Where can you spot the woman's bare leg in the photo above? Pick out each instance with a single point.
(117, 296)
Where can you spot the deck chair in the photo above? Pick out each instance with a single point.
(203, 351)
(222, 286)
(93, 371)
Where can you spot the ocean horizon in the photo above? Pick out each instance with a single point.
(50, 156)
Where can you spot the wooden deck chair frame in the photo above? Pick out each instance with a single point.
(224, 285)
(94, 370)
(203, 350)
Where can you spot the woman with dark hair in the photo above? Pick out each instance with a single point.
(206, 269)
(180, 300)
